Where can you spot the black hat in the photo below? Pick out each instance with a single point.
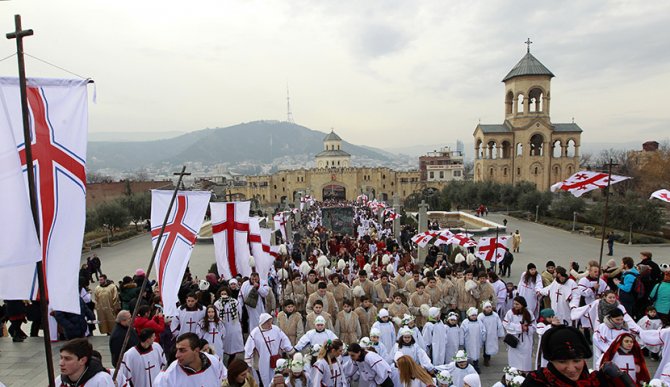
(616, 312)
(551, 263)
(521, 301)
(565, 343)
(531, 266)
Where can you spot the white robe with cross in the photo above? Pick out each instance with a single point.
(266, 344)
(214, 333)
(187, 321)
(327, 375)
(142, 368)
(561, 295)
(233, 342)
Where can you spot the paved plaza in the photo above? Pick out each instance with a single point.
(23, 364)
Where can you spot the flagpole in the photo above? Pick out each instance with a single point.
(19, 34)
(495, 255)
(148, 271)
(607, 200)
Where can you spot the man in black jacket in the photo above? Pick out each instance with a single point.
(119, 333)
(645, 259)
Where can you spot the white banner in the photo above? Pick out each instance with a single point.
(661, 194)
(59, 126)
(230, 227)
(179, 236)
(492, 248)
(585, 181)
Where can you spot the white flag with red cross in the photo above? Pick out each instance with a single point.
(443, 237)
(179, 236)
(585, 181)
(661, 194)
(423, 238)
(492, 248)
(230, 226)
(264, 265)
(280, 220)
(58, 110)
(462, 239)
(262, 258)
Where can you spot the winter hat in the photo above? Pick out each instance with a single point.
(404, 331)
(531, 266)
(470, 259)
(264, 317)
(472, 380)
(434, 312)
(281, 365)
(232, 281)
(664, 267)
(470, 285)
(565, 343)
(459, 258)
(550, 263)
(521, 301)
(452, 316)
(460, 356)
(486, 304)
(383, 313)
(140, 273)
(406, 319)
(364, 342)
(319, 320)
(444, 377)
(297, 363)
(472, 311)
(547, 312)
(611, 264)
(374, 332)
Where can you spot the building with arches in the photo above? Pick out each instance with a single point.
(527, 146)
(332, 154)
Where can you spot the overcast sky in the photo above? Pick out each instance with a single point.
(382, 73)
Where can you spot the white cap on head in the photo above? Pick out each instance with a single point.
(364, 342)
(487, 304)
(472, 380)
(374, 332)
(405, 331)
(383, 313)
(298, 363)
(264, 317)
(444, 377)
(472, 311)
(452, 316)
(233, 281)
(434, 312)
(319, 320)
(461, 355)
(282, 364)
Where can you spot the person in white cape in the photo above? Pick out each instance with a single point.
(142, 363)
(261, 289)
(267, 342)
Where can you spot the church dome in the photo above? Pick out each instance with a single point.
(528, 65)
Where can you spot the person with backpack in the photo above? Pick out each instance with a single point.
(660, 297)
(629, 286)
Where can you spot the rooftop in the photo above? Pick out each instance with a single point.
(333, 153)
(332, 136)
(528, 65)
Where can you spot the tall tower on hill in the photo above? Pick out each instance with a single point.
(527, 146)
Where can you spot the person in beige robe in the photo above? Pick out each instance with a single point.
(466, 298)
(410, 285)
(312, 283)
(326, 298)
(416, 299)
(348, 325)
(486, 290)
(339, 290)
(448, 294)
(316, 312)
(365, 284)
(383, 291)
(516, 241)
(295, 290)
(397, 308)
(400, 280)
(107, 304)
(367, 314)
(435, 292)
(290, 322)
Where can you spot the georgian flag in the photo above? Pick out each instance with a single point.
(230, 227)
(443, 237)
(423, 238)
(58, 111)
(462, 239)
(661, 194)
(179, 236)
(362, 198)
(492, 248)
(280, 224)
(585, 181)
(259, 241)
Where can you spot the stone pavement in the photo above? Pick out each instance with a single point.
(23, 364)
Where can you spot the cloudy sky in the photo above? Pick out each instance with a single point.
(385, 73)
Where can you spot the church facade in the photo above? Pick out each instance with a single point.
(527, 146)
(333, 178)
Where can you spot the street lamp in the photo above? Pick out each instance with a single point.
(537, 212)
(574, 219)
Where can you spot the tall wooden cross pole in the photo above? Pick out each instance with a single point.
(18, 34)
(607, 201)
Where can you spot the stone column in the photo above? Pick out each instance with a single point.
(297, 206)
(289, 227)
(396, 221)
(423, 226)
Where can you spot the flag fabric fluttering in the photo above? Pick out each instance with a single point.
(59, 129)
(492, 248)
(280, 224)
(181, 232)
(585, 181)
(661, 194)
(423, 238)
(462, 239)
(230, 227)
(443, 237)
(262, 258)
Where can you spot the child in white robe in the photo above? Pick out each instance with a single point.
(435, 337)
(454, 334)
(319, 335)
(459, 368)
(143, 362)
(188, 317)
(494, 331)
(626, 353)
(297, 376)
(327, 371)
(520, 323)
(547, 320)
(650, 321)
(379, 347)
(386, 328)
(406, 345)
(230, 313)
(213, 330)
(474, 336)
(409, 321)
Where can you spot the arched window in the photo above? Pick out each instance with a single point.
(536, 145)
(570, 148)
(491, 150)
(479, 152)
(519, 149)
(505, 171)
(506, 149)
(556, 149)
(535, 100)
(519, 104)
(509, 102)
(491, 171)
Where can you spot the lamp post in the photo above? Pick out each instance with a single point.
(574, 220)
(537, 212)
(630, 234)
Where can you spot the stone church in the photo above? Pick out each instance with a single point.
(527, 146)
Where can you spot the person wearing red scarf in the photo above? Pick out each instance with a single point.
(626, 353)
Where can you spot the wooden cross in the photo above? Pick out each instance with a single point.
(528, 43)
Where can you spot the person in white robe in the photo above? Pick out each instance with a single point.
(454, 337)
(297, 376)
(459, 368)
(230, 313)
(261, 288)
(494, 331)
(474, 336)
(650, 321)
(529, 286)
(373, 370)
(407, 345)
(213, 330)
(386, 328)
(626, 353)
(328, 370)
(188, 317)
(318, 335)
(590, 287)
(605, 334)
(562, 291)
(192, 367)
(409, 321)
(659, 337)
(266, 341)
(143, 362)
(520, 323)
(379, 347)
(435, 337)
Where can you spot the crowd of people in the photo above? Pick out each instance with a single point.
(338, 310)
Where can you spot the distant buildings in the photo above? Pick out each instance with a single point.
(442, 165)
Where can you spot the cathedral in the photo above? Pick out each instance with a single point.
(527, 146)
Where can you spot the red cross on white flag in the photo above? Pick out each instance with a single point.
(423, 238)
(661, 194)
(443, 237)
(280, 224)
(179, 236)
(491, 248)
(58, 129)
(585, 181)
(257, 242)
(462, 239)
(230, 226)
